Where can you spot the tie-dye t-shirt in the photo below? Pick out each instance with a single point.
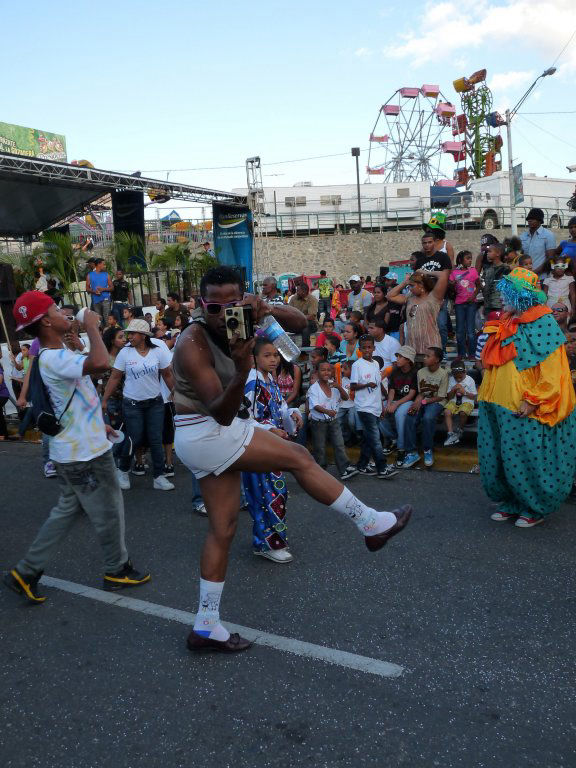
(83, 436)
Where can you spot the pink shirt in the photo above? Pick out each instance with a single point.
(465, 283)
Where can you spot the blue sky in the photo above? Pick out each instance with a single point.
(185, 85)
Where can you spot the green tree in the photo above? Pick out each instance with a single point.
(59, 259)
(129, 252)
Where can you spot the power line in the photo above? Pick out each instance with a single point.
(538, 149)
(567, 112)
(554, 136)
(230, 167)
(563, 49)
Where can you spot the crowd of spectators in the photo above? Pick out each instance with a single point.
(384, 363)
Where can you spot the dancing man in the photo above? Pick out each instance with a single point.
(216, 440)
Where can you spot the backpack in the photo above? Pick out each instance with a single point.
(42, 410)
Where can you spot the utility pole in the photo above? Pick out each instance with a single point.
(356, 153)
(513, 224)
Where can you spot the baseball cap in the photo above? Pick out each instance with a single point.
(488, 239)
(391, 276)
(408, 352)
(354, 279)
(139, 326)
(30, 307)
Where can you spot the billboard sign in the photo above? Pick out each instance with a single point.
(30, 142)
(233, 237)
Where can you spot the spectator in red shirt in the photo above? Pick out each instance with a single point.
(327, 330)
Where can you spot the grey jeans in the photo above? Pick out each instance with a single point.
(321, 431)
(85, 486)
(102, 308)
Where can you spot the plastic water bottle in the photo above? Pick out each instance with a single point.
(273, 331)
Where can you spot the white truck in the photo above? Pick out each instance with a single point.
(486, 202)
(307, 209)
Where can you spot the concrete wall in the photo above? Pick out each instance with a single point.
(344, 255)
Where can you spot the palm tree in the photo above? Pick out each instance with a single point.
(129, 252)
(59, 259)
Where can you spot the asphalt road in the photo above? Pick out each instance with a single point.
(480, 616)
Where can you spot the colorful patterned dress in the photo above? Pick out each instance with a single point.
(526, 464)
(266, 492)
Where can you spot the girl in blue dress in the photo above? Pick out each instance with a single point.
(266, 492)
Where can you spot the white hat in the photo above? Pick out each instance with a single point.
(391, 276)
(354, 279)
(139, 326)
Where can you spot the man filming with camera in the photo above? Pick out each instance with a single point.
(217, 439)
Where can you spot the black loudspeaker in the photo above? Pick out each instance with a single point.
(383, 272)
(128, 212)
(7, 284)
(128, 216)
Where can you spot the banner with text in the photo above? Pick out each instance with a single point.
(30, 142)
(233, 237)
(518, 184)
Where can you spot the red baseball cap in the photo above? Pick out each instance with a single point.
(30, 307)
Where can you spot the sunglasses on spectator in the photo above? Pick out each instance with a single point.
(214, 308)
(559, 309)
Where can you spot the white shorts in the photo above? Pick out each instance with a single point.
(208, 448)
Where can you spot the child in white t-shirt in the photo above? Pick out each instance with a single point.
(324, 399)
(460, 402)
(366, 383)
(347, 411)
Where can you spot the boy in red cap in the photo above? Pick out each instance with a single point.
(81, 451)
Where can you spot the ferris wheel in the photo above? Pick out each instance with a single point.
(409, 138)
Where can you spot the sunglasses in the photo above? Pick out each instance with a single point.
(559, 309)
(213, 308)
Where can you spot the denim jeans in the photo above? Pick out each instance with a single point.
(102, 308)
(370, 444)
(197, 499)
(428, 417)
(466, 328)
(324, 305)
(86, 487)
(321, 432)
(394, 424)
(347, 419)
(115, 417)
(143, 420)
(443, 323)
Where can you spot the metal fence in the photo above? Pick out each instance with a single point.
(147, 287)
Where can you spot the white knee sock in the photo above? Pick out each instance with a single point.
(207, 621)
(368, 520)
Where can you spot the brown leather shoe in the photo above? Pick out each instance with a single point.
(376, 542)
(234, 643)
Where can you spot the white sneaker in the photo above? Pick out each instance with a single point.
(452, 439)
(124, 480)
(200, 510)
(276, 555)
(162, 484)
(528, 522)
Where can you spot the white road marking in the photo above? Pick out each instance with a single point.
(278, 642)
